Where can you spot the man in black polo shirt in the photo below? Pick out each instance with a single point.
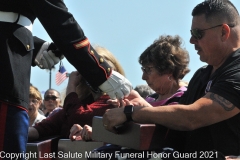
(209, 110)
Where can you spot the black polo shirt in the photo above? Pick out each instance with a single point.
(225, 82)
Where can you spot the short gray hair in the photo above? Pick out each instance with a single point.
(144, 90)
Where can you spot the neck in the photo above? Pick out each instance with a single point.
(50, 110)
(175, 86)
(32, 118)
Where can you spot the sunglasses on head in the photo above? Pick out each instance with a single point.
(198, 33)
(47, 98)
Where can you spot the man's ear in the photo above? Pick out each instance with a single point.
(225, 32)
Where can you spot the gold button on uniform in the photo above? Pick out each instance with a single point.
(28, 47)
(92, 52)
(109, 69)
(101, 60)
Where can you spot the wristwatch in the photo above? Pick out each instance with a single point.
(128, 110)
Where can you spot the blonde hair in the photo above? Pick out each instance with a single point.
(83, 89)
(34, 93)
(109, 57)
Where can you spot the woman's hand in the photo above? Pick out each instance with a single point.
(74, 80)
(86, 133)
(78, 132)
(75, 132)
(114, 102)
(120, 103)
(133, 99)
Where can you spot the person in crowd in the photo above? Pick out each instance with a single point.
(164, 64)
(80, 105)
(209, 110)
(144, 90)
(35, 100)
(52, 102)
(41, 109)
(20, 50)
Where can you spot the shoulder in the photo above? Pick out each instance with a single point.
(71, 98)
(203, 70)
(38, 119)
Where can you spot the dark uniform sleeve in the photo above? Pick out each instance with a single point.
(68, 36)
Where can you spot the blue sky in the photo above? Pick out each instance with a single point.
(126, 28)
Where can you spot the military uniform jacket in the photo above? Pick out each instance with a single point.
(66, 34)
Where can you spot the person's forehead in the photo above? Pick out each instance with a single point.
(199, 22)
(33, 97)
(52, 92)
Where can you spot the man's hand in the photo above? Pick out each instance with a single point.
(113, 117)
(48, 56)
(116, 86)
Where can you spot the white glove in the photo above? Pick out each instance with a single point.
(46, 59)
(116, 86)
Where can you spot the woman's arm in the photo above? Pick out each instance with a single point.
(32, 133)
(73, 81)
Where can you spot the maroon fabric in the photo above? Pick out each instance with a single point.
(3, 117)
(73, 112)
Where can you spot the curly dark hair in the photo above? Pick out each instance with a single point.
(221, 11)
(167, 56)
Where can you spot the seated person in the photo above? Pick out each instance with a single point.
(35, 100)
(164, 64)
(52, 102)
(80, 105)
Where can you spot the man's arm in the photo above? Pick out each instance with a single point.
(69, 38)
(208, 110)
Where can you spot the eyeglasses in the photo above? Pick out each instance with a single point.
(47, 98)
(198, 33)
(33, 101)
(147, 70)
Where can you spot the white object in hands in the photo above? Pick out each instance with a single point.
(46, 59)
(116, 86)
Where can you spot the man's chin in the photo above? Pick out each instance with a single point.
(51, 108)
(202, 59)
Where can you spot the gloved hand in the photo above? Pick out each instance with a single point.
(116, 86)
(48, 56)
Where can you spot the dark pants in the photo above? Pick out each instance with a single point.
(13, 131)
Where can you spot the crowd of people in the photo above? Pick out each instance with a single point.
(80, 105)
(202, 115)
